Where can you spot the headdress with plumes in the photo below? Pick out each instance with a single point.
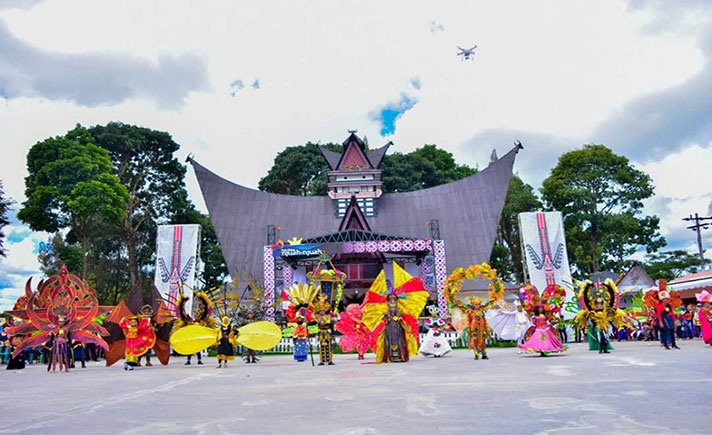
(654, 296)
(301, 295)
(703, 297)
(474, 300)
(604, 295)
(551, 299)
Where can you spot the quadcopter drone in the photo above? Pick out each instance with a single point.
(466, 53)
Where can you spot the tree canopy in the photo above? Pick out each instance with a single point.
(601, 197)
(299, 170)
(71, 185)
(302, 170)
(145, 164)
(427, 166)
(141, 164)
(671, 264)
(5, 204)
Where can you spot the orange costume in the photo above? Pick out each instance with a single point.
(140, 337)
(478, 330)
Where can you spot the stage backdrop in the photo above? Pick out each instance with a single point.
(177, 251)
(544, 250)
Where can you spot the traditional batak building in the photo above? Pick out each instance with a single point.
(358, 228)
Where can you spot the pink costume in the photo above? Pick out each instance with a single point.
(356, 335)
(543, 339)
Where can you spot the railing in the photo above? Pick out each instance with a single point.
(286, 345)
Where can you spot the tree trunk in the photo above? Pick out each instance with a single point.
(84, 255)
(131, 248)
(594, 254)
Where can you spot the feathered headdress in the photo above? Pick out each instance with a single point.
(599, 306)
(301, 295)
(655, 296)
(551, 299)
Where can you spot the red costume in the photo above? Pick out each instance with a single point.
(140, 337)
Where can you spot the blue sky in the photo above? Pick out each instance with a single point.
(389, 114)
(548, 75)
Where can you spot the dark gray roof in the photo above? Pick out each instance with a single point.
(468, 211)
(332, 157)
(376, 156)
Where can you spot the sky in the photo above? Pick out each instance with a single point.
(236, 82)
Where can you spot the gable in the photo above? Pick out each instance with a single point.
(354, 158)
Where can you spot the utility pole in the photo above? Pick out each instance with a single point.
(698, 226)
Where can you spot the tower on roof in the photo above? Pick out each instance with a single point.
(355, 172)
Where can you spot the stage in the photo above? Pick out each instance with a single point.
(639, 388)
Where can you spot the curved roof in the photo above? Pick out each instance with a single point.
(468, 212)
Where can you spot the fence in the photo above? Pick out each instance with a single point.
(286, 345)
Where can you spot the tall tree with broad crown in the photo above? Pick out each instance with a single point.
(144, 162)
(601, 197)
(71, 185)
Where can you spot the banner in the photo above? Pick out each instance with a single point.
(544, 251)
(177, 251)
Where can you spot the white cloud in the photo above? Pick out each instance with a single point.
(551, 73)
(683, 188)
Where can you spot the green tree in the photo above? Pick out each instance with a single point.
(427, 166)
(70, 185)
(144, 162)
(600, 195)
(5, 204)
(302, 170)
(59, 252)
(671, 264)
(507, 252)
(299, 170)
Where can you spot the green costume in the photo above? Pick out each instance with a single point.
(593, 342)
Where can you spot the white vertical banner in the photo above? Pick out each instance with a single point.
(177, 255)
(544, 251)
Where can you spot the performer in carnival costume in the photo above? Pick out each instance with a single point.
(155, 321)
(475, 322)
(226, 341)
(323, 316)
(4, 341)
(705, 315)
(600, 304)
(300, 315)
(543, 311)
(139, 338)
(508, 321)
(435, 343)
(202, 316)
(392, 315)
(63, 305)
(356, 335)
(193, 335)
(664, 303)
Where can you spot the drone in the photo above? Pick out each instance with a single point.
(466, 53)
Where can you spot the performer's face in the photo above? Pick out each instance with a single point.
(392, 302)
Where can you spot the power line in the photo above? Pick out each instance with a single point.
(699, 225)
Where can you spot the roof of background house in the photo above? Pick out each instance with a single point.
(468, 211)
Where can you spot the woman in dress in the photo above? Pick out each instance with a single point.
(705, 316)
(356, 335)
(435, 344)
(543, 338)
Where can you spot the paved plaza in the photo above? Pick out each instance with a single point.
(638, 389)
